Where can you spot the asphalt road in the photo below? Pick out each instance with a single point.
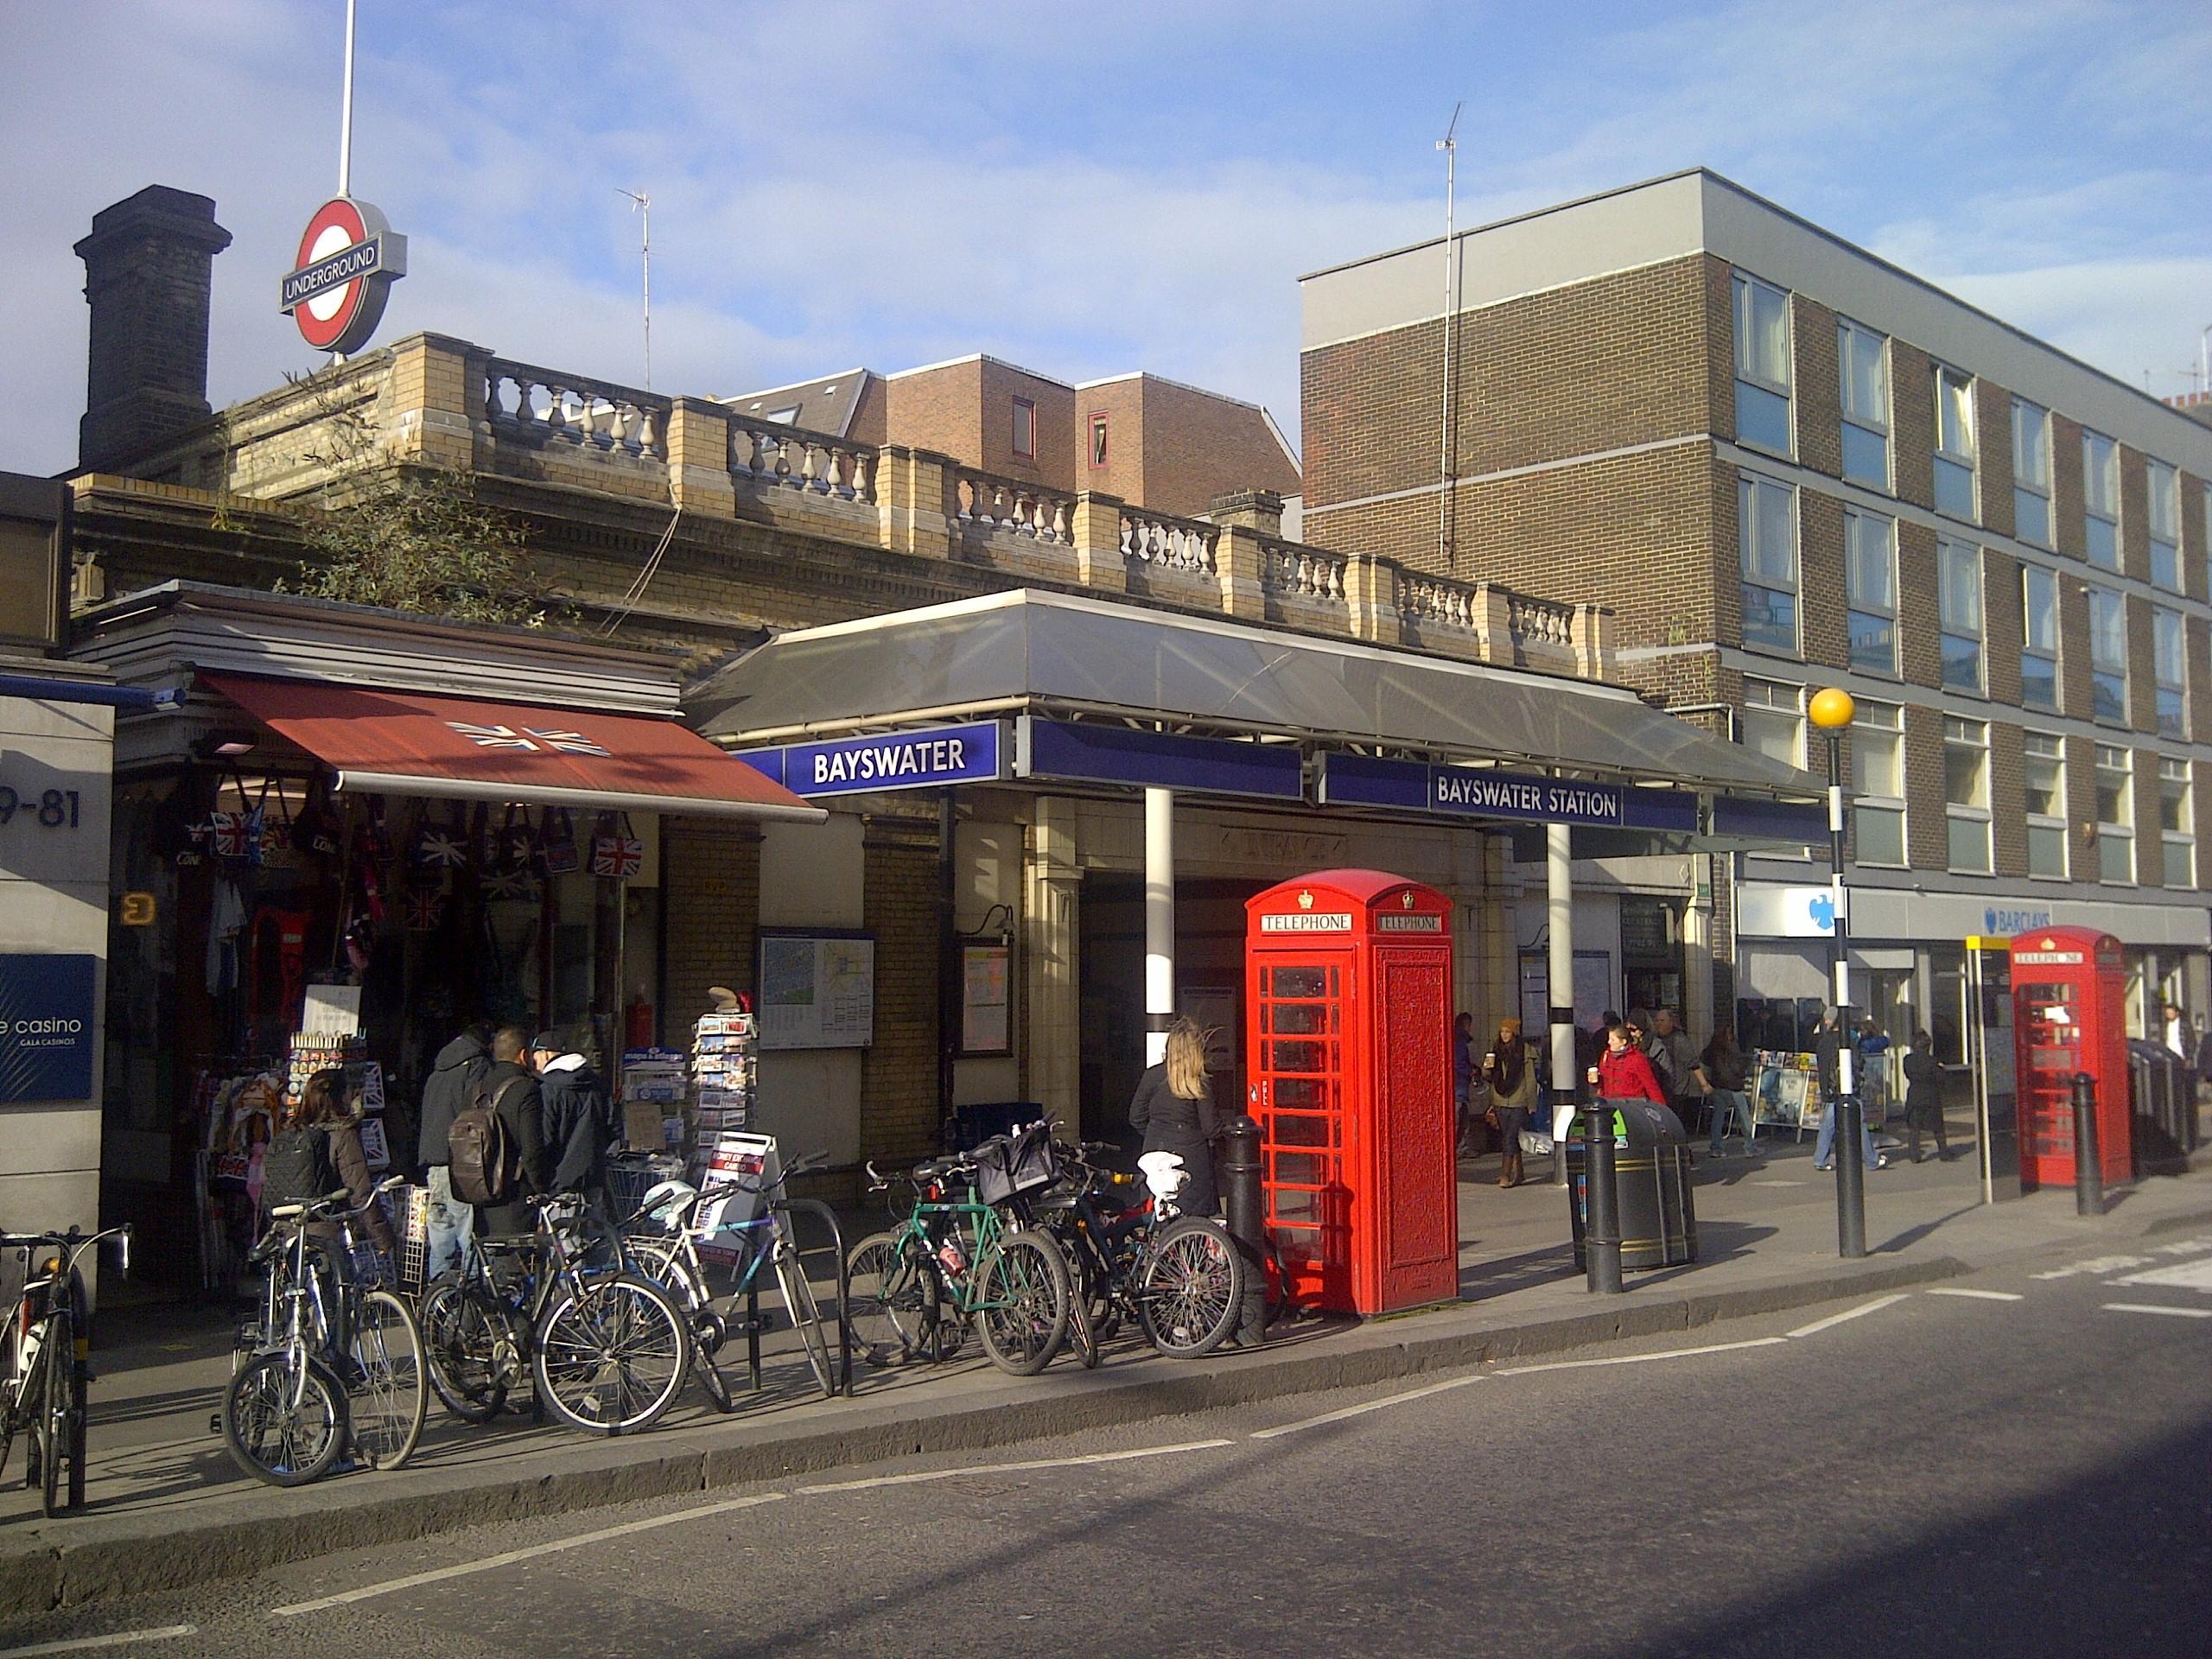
(2018, 1463)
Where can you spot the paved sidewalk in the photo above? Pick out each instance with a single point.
(167, 1508)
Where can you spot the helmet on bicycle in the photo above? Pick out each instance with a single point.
(1164, 1172)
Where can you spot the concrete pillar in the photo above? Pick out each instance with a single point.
(1238, 556)
(433, 401)
(1096, 527)
(1052, 1040)
(698, 457)
(913, 502)
(1559, 870)
(1371, 591)
(1697, 1009)
(1158, 921)
(1592, 635)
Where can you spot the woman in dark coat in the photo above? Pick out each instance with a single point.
(1174, 1110)
(1923, 1097)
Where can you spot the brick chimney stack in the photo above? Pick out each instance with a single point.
(149, 270)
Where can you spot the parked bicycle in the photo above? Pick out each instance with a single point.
(662, 1239)
(606, 1350)
(43, 1375)
(1180, 1278)
(334, 1365)
(968, 1253)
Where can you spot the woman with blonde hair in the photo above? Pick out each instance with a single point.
(1174, 1110)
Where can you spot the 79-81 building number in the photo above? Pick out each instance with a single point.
(52, 808)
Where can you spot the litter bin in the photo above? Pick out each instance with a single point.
(1652, 1160)
(2163, 1114)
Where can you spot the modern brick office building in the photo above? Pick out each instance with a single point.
(1788, 463)
(1150, 442)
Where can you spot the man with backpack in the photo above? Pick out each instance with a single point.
(579, 1122)
(496, 1145)
(460, 1067)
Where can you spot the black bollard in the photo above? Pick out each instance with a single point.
(2088, 1168)
(1850, 1179)
(1601, 1230)
(1241, 1166)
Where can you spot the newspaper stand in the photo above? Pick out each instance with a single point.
(2069, 1015)
(1348, 985)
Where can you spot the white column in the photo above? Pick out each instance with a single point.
(1559, 868)
(1158, 921)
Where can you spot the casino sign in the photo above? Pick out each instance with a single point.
(348, 260)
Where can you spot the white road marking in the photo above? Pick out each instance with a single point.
(82, 1644)
(1008, 1468)
(2152, 1308)
(1363, 1410)
(1979, 1295)
(2099, 1264)
(1639, 1359)
(2188, 1276)
(1832, 1319)
(507, 1558)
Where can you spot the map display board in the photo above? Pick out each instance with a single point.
(818, 990)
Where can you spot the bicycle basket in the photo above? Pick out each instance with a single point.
(1008, 1165)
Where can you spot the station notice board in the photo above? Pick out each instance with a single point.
(817, 989)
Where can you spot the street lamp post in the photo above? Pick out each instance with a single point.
(1831, 711)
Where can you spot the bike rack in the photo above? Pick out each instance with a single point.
(752, 1321)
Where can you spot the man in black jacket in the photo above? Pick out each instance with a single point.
(579, 1118)
(461, 1064)
(514, 1095)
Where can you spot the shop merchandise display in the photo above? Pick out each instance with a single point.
(654, 1086)
(724, 1071)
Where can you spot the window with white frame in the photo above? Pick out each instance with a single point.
(2038, 637)
(1862, 358)
(2177, 824)
(1766, 531)
(2164, 496)
(2032, 472)
(2107, 657)
(2100, 498)
(1878, 784)
(1774, 720)
(1869, 572)
(1955, 451)
(1966, 793)
(1959, 613)
(2115, 815)
(2042, 781)
(1762, 364)
(2172, 667)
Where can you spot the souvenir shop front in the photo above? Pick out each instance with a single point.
(362, 832)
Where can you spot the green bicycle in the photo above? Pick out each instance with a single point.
(957, 1261)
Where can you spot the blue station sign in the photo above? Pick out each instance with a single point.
(45, 1027)
(1096, 752)
(1471, 792)
(975, 752)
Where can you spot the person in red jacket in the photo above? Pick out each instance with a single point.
(1623, 1072)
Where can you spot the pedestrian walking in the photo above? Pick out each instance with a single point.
(580, 1121)
(1672, 1039)
(1827, 1060)
(461, 1066)
(1726, 1073)
(1509, 1068)
(1923, 1097)
(1174, 1110)
(1623, 1070)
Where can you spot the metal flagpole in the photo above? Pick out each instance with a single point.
(644, 203)
(345, 113)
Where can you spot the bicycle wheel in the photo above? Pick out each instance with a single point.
(665, 1266)
(891, 1298)
(806, 1315)
(1190, 1287)
(469, 1347)
(385, 1397)
(1021, 1298)
(612, 1354)
(712, 1380)
(56, 1354)
(1083, 1335)
(284, 1426)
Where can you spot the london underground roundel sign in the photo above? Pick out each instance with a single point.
(348, 260)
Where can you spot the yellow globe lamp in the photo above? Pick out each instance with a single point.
(1832, 709)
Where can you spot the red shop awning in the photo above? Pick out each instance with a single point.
(417, 743)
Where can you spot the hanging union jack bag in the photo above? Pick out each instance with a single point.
(441, 846)
(619, 856)
(557, 843)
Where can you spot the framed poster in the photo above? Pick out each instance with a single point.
(47, 1024)
(817, 989)
(986, 1004)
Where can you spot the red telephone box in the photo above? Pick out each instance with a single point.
(1348, 989)
(2070, 1014)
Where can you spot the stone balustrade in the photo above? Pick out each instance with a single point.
(1293, 569)
(769, 454)
(524, 401)
(985, 504)
(1156, 540)
(1540, 621)
(1428, 602)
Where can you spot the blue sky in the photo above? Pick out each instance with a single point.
(1082, 190)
